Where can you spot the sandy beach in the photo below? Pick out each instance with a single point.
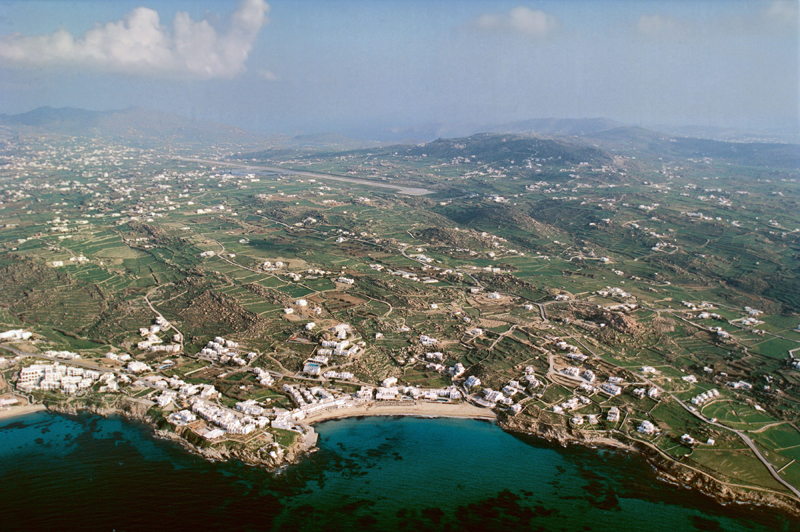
(15, 411)
(421, 409)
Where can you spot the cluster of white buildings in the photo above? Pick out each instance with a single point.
(721, 333)
(57, 377)
(493, 397)
(182, 417)
(152, 342)
(411, 276)
(167, 348)
(513, 388)
(124, 357)
(705, 396)
(269, 266)
(342, 345)
(586, 375)
(310, 401)
(184, 390)
(449, 393)
(457, 370)
(708, 315)
(572, 403)
(428, 341)
(530, 378)
(303, 396)
(390, 391)
(15, 335)
(579, 419)
(264, 377)
(435, 366)
(221, 350)
(343, 375)
(226, 419)
(341, 348)
(652, 393)
(564, 346)
(614, 292)
(63, 355)
(250, 407)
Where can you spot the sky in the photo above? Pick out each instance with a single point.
(313, 66)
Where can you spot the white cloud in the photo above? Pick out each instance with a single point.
(139, 44)
(267, 75)
(521, 21)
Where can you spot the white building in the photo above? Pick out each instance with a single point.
(610, 389)
(15, 334)
(646, 427)
(472, 381)
(138, 367)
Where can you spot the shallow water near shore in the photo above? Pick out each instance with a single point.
(377, 473)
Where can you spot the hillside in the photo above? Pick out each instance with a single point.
(639, 141)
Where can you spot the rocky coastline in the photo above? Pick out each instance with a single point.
(666, 469)
(138, 412)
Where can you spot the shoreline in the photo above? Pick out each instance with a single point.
(671, 472)
(666, 470)
(15, 411)
(423, 410)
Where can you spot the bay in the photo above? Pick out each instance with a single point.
(379, 473)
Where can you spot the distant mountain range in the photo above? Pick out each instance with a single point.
(132, 125)
(146, 127)
(539, 126)
(573, 127)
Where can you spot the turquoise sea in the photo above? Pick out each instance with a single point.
(392, 473)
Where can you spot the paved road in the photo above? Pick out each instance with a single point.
(747, 440)
(410, 191)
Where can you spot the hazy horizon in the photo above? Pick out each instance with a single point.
(348, 66)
